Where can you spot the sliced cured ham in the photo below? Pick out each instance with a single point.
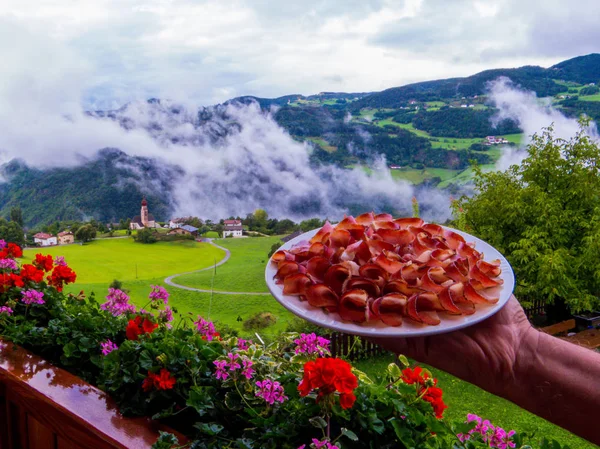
(416, 312)
(296, 284)
(391, 308)
(336, 276)
(353, 306)
(376, 268)
(319, 295)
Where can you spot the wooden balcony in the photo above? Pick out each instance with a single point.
(44, 407)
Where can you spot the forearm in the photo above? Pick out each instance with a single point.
(558, 381)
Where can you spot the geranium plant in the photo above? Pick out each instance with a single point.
(223, 391)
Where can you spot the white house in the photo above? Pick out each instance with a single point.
(176, 223)
(43, 239)
(232, 228)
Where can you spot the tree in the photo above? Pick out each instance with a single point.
(145, 235)
(311, 223)
(260, 218)
(11, 231)
(85, 233)
(16, 215)
(544, 216)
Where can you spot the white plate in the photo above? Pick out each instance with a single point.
(408, 328)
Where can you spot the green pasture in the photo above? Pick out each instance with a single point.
(211, 235)
(595, 97)
(463, 398)
(243, 272)
(103, 260)
(322, 143)
(115, 233)
(416, 176)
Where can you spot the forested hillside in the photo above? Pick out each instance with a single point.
(106, 189)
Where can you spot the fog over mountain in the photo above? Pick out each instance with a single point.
(212, 162)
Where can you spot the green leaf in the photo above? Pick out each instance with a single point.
(209, 428)
(402, 432)
(403, 360)
(146, 361)
(349, 434)
(394, 371)
(318, 422)
(165, 441)
(69, 349)
(244, 443)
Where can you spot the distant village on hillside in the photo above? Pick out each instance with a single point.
(145, 220)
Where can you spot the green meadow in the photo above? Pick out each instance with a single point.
(103, 260)
(243, 272)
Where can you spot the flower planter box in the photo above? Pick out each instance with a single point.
(586, 320)
(44, 407)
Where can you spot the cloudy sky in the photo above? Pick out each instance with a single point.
(208, 51)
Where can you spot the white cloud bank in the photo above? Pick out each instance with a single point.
(532, 114)
(256, 165)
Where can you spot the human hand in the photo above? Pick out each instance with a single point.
(486, 354)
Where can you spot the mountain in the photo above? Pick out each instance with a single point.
(582, 69)
(108, 188)
(429, 131)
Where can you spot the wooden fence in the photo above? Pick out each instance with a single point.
(353, 347)
(538, 307)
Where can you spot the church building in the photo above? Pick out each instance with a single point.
(144, 220)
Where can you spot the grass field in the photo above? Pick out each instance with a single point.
(103, 260)
(590, 97)
(243, 272)
(211, 235)
(116, 233)
(463, 397)
(418, 176)
(322, 143)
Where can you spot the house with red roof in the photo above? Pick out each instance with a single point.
(43, 239)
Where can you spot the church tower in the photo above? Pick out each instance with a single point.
(144, 213)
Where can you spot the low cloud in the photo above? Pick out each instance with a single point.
(233, 159)
(532, 114)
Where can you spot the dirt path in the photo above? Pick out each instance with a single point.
(169, 280)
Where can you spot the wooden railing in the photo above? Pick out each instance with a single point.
(353, 347)
(44, 407)
(537, 307)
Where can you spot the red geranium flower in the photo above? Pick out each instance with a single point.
(31, 273)
(162, 381)
(13, 250)
(61, 274)
(139, 326)
(426, 388)
(8, 280)
(43, 262)
(329, 375)
(133, 330)
(148, 326)
(347, 400)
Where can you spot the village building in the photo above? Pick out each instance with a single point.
(493, 140)
(232, 228)
(43, 239)
(65, 238)
(144, 220)
(176, 222)
(184, 230)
